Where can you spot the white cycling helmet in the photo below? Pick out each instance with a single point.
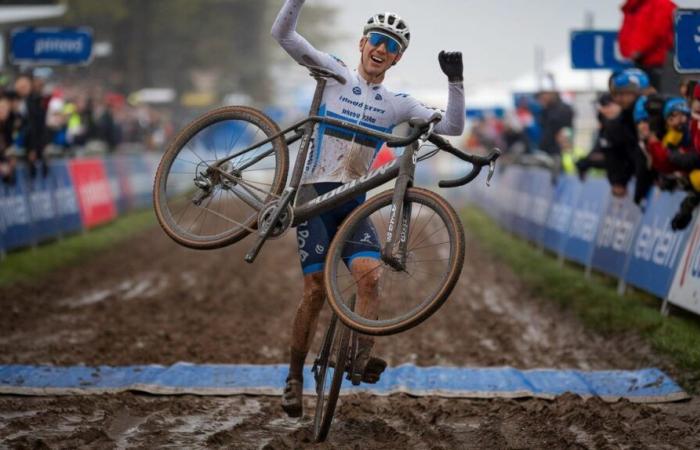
(391, 24)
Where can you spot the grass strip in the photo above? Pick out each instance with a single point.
(29, 264)
(595, 300)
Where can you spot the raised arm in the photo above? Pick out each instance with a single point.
(452, 123)
(284, 32)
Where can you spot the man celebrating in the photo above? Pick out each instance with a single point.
(339, 156)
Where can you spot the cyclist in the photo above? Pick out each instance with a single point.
(339, 156)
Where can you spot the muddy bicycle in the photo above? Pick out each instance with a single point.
(223, 179)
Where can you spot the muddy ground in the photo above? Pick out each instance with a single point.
(149, 301)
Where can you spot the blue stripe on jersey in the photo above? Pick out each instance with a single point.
(316, 156)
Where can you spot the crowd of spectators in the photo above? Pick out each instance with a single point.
(42, 117)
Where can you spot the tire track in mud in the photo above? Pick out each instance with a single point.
(150, 301)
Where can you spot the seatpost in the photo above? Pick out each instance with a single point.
(290, 192)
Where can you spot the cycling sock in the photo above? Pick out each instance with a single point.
(296, 364)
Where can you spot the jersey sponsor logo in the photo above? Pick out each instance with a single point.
(302, 236)
(378, 97)
(367, 239)
(402, 95)
(356, 90)
(320, 249)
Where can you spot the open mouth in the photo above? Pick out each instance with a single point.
(377, 59)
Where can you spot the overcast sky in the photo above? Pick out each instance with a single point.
(498, 37)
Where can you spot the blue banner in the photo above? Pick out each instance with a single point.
(590, 207)
(657, 248)
(596, 49)
(141, 180)
(15, 208)
(3, 226)
(615, 236)
(48, 46)
(41, 205)
(687, 58)
(540, 192)
(115, 183)
(65, 199)
(561, 212)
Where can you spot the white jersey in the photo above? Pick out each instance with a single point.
(338, 155)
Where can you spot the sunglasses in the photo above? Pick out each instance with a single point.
(376, 39)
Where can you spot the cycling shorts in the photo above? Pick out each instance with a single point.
(315, 235)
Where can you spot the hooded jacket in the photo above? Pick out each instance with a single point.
(646, 35)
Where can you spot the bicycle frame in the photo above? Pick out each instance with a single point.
(402, 169)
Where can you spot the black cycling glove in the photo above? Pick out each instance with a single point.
(451, 65)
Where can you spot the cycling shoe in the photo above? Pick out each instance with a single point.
(292, 398)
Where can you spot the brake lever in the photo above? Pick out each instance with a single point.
(424, 137)
(492, 166)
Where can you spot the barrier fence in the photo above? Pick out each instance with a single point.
(75, 195)
(582, 222)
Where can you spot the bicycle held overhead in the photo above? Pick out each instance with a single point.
(225, 177)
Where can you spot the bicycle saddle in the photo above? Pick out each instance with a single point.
(322, 72)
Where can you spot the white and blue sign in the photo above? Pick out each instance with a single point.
(590, 206)
(561, 213)
(41, 206)
(14, 207)
(65, 199)
(51, 46)
(656, 250)
(596, 49)
(687, 59)
(615, 236)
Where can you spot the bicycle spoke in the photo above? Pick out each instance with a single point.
(428, 246)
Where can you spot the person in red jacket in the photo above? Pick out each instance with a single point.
(646, 38)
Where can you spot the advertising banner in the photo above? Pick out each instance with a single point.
(136, 179)
(591, 205)
(42, 210)
(561, 212)
(540, 191)
(116, 183)
(685, 291)
(615, 236)
(687, 31)
(65, 198)
(657, 249)
(14, 207)
(3, 226)
(48, 46)
(94, 195)
(596, 49)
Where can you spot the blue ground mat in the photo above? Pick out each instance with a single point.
(647, 385)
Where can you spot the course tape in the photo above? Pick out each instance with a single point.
(641, 386)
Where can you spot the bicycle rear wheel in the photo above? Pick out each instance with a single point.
(335, 343)
(202, 204)
(400, 298)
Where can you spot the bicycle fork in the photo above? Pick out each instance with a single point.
(394, 250)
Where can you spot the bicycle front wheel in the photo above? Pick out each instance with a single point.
(394, 299)
(204, 204)
(335, 347)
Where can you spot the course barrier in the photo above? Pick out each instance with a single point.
(640, 386)
(583, 223)
(75, 195)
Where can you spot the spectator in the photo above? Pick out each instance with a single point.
(623, 156)
(7, 129)
(646, 38)
(607, 110)
(555, 116)
(33, 112)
